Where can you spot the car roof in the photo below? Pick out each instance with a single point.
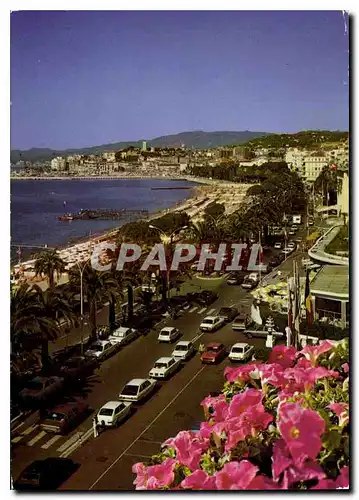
(210, 317)
(111, 405)
(121, 329)
(168, 329)
(183, 342)
(136, 381)
(213, 344)
(240, 344)
(164, 359)
(99, 342)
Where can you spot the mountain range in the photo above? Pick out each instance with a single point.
(196, 139)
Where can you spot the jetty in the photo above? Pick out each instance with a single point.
(103, 214)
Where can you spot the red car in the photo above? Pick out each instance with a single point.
(214, 353)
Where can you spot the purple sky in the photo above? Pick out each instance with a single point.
(89, 78)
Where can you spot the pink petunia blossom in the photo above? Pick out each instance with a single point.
(312, 352)
(345, 367)
(240, 372)
(309, 470)
(241, 402)
(189, 448)
(199, 480)
(281, 458)
(161, 475)
(341, 410)
(303, 363)
(309, 376)
(213, 405)
(142, 476)
(263, 483)
(301, 429)
(205, 430)
(325, 484)
(236, 475)
(273, 374)
(283, 355)
(342, 480)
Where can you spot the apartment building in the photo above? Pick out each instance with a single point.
(58, 164)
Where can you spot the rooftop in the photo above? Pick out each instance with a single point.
(332, 281)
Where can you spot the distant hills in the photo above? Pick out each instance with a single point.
(196, 139)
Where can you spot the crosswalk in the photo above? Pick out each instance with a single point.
(203, 310)
(34, 436)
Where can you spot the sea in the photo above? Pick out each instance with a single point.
(36, 205)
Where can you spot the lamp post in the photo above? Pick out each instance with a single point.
(167, 239)
(81, 271)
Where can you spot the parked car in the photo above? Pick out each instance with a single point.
(287, 250)
(64, 417)
(292, 245)
(292, 231)
(183, 350)
(212, 323)
(41, 388)
(241, 352)
(113, 412)
(47, 474)
(168, 334)
(241, 322)
(235, 279)
(206, 298)
(310, 220)
(122, 336)
(78, 367)
(137, 389)
(164, 367)
(249, 283)
(228, 313)
(214, 353)
(278, 245)
(101, 349)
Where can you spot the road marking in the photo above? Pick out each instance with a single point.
(17, 439)
(146, 429)
(193, 309)
(80, 440)
(211, 311)
(69, 442)
(37, 438)
(51, 441)
(198, 336)
(202, 310)
(30, 429)
(137, 456)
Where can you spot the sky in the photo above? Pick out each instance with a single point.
(84, 78)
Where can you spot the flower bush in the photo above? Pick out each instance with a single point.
(278, 425)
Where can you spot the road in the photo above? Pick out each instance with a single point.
(107, 460)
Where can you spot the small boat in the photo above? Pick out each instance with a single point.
(65, 217)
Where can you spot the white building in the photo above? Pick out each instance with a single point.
(144, 146)
(312, 167)
(343, 195)
(58, 163)
(109, 156)
(294, 158)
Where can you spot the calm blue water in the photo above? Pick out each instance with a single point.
(36, 204)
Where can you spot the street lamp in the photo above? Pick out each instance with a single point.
(81, 271)
(167, 239)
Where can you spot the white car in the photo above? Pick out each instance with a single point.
(183, 350)
(278, 245)
(101, 349)
(292, 245)
(137, 389)
(241, 352)
(168, 334)
(164, 367)
(287, 250)
(211, 323)
(113, 412)
(122, 336)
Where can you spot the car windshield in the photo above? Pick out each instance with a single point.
(119, 334)
(238, 349)
(214, 348)
(106, 412)
(35, 385)
(97, 348)
(160, 365)
(208, 321)
(165, 333)
(52, 415)
(130, 390)
(181, 348)
(225, 310)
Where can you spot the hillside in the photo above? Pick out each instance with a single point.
(196, 139)
(305, 139)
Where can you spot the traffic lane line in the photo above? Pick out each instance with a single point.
(37, 438)
(51, 441)
(146, 429)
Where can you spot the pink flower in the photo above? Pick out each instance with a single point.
(341, 411)
(248, 423)
(303, 363)
(161, 475)
(282, 355)
(199, 480)
(241, 402)
(309, 470)
(215, 407)
(141, 480)
(325, 484)
(301, 429)
(308, 376)
(312, 352)
(281, 458)
(263, 483)
(189, 448)
(240, 372)
(205, 430)
(345, 367)
(236, 475)
(273, 374)
(342, 480)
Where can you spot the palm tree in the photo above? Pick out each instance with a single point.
(33, 318)
(49, 263)
(97, 286)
